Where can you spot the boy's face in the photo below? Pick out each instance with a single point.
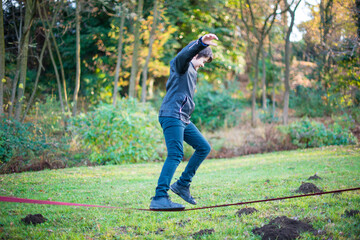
(199, 62)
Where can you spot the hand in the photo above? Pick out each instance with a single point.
(207, 39)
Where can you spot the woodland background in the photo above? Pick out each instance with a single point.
(82, 81)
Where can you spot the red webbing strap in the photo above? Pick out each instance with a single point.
(275, 199)
(33, 201)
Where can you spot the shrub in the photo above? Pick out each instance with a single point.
(355, 114)
(307, 134)
(20, 140)
(268, 116)
(215, 108)
(308, 102)
(345, 120)
(48, 116)
(130, 132)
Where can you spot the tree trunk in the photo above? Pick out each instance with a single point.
(58, 52)
(57, 78)
(287, 62)
(358, 18)
(24, 57)
(286, 82)
(36, 80)
(151, 42)
(18, 60)
(134, 65)
(78, 63)
(263, 80)
(253, 98)
(151, 88)
(13, 87)
(273, 101)
(53, 61)
(2, 60)
(260, 36)
(118, 61)
(326, 16)
(47, 43)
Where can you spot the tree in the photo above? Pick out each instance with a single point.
(259, 32)
(326, 22)
(287, 59)
(2, 60)
(29, 12)
(40, 67)
(357, 16)
(18, 39)
(263, 79)
(78, 63)
(58, 9)
(134, 65)
(331, 42)
(151, 42)
(48, 43)
(119, 49)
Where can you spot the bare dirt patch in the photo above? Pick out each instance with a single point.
(246, 211)
(351, 213)
(34, 219)
(202, 232)
(308, 188)
(315, 177)
(283, 228)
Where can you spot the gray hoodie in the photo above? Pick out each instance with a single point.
(180, 87)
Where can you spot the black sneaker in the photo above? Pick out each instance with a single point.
(165, 204)
(183, 192)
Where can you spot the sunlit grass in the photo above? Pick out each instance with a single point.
(217, 182)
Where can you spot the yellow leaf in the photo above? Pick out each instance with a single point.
(21, 85)
(3, 80)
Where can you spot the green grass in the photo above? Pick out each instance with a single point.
(217, 182)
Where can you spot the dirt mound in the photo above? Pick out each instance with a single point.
(34, 219)
(308, 188)
(351, 213)
(246, 211)
(283, 228)
(200, 233)
(315, 177)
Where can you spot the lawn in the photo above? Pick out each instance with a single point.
(220, 181)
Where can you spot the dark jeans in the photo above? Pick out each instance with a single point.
(175, 132)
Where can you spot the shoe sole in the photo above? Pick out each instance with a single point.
(177, 193)
(168, 209)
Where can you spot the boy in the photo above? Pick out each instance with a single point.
(174, 118)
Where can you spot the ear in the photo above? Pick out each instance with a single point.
(195, 56)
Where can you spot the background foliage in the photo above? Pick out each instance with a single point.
(20, 140)
(128, 133)
(215, 108)
(309, 134)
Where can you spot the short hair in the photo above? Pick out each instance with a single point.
(206, 52)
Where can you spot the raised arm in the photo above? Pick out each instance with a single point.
(184, 57)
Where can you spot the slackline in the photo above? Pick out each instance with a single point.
(33, 201)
